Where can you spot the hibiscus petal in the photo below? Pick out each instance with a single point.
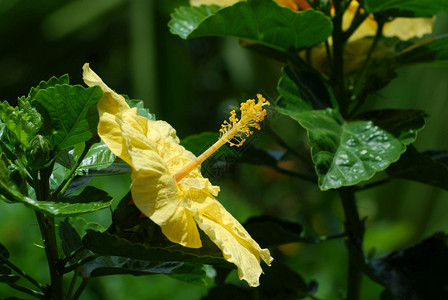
(234, 241)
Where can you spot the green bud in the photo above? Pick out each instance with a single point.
(38, 152)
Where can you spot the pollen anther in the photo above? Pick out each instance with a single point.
(235, 131)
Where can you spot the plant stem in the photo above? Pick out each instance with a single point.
(354, 227)
(26, 290)
(47, 228)
(81, 288)
(337, 77)
(6, 261)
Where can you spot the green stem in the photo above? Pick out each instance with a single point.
(337, 77)
(361, 97)
(354, 227)
(47, 228)
(27, 290)
(81, 288)
(80, 263)
(33, 281)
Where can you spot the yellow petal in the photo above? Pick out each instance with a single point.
(234, 241)
(408, 28)
(115, 103)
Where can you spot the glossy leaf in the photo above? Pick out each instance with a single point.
(416, 272)
(72, 112)
(141, 109)
(408, 8)
(428, 167)
(101, 161)
(433, 51)
(19, 122)
(348, 152)
(107, 244)
(90, 200)
(259, 21)
(112, 265)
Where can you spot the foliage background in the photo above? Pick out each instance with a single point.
(192, 84)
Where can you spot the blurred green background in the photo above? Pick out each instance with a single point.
(192, 85)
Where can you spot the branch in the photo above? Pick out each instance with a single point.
(355, 234)
(19, 271)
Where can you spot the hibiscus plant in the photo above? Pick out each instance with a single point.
(335, 55)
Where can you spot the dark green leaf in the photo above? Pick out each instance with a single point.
(270, 231)
(72, 112)
(4, 251)
(407, 8)
(426, 167)
(348, 152)
(9, 278)
(111, 245)
(112, 265)
(432, 51)
(417, 272)
(229, 291)
(19, 122)
(277, 282)
(259, 21)
(70, 238)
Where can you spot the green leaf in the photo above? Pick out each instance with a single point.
(64, 79)
(72, 112)
(9, 278)
(270, 231)
(70, 239)
(260, 21)
(277, 282)
(426, 167)
(112, 265)
(433, 51)
(19, 122)
(407, 8)
(101, 161)
(4, 251)
(417, 272)
(107, 244)
(348, 152)
(141, 109)
(90, 200)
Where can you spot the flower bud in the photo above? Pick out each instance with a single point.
(38, 152)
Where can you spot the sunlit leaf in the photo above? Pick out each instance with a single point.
(72, 112)
(99, 160)
(90, 200)
(348, 152)
(19, 122)
(407, 8)
(64, 79)
(259, 21)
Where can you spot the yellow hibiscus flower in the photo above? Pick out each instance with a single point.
(403, 28)
(167, 185)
